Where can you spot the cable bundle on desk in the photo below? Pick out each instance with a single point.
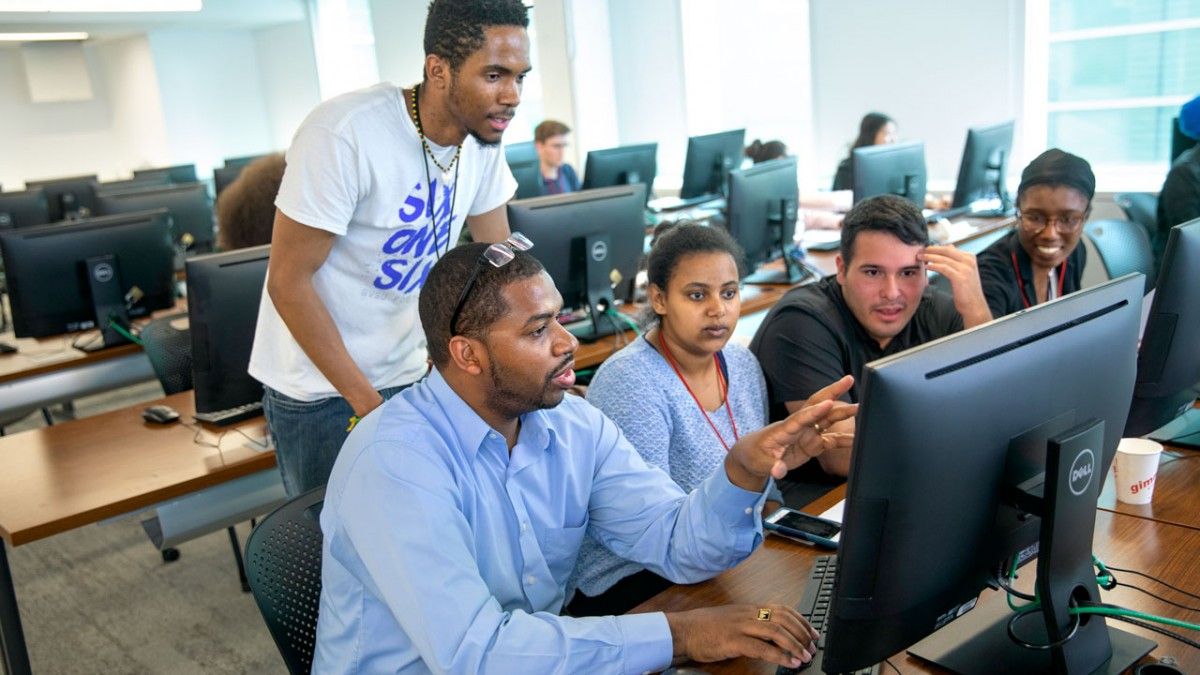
(1108, 581)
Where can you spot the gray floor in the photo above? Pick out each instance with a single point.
(100, 599)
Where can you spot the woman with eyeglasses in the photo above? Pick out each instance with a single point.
(681, 393)
(1042, 259)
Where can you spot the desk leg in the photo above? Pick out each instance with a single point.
(12, 638)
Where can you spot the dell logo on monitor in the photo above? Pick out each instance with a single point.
(599, 251)
(1081, 472)
(103, 273)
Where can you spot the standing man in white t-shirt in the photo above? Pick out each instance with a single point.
(378, 184)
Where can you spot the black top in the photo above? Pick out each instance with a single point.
(844, 178)
(999, 277)
(1179, 200)
(810, 339)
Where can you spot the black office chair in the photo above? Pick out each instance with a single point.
(169, 349)
(284, 557)
(170, 352)
(1123, 247)
(1141, 208)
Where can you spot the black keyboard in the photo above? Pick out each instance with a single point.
(814, 605)
(230, 415)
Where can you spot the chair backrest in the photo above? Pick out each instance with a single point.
(1140, 207)
(1123, 247)
(170, 352)
(283, 564)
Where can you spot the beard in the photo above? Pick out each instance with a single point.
(513, 402)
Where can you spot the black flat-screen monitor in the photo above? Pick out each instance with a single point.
(50, 291)
(953, 483)
(762, 208)
(189, 204)
(709, 160)
(590, 243)
(984, 167)
(243, 160)
(24, 209)
(1169, 358)
(69, 196)
(224, 175)
(625, 165)
(224, 291)
(1180, 142)
(895, 169)
(133, 184)
(180, 173)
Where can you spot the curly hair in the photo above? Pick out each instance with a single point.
(484, 304)
(454, 28)
(246, 209)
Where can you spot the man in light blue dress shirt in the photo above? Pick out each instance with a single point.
(455, 511)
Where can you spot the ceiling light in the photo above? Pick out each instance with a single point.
(42, 37)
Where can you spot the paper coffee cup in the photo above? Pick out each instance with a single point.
(1135, 469)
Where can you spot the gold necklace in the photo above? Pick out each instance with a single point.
(425, 144)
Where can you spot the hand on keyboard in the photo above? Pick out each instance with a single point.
(773, 633)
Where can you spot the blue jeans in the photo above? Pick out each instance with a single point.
(308, 436)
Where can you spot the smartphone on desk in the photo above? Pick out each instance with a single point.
(796, 525)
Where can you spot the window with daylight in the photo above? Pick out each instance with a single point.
(1114, 75)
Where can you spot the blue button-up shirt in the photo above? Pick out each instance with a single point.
(443, 552)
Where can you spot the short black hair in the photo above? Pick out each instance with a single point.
(674, 243)
(454, 28)
(485, 303)
(884, 213)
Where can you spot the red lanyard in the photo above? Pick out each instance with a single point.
(1062, 276)
(720, 383)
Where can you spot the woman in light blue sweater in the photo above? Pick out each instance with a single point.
(681, 394)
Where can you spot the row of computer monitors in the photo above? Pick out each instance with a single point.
(893, 169)
(944, 476)
(175, 188)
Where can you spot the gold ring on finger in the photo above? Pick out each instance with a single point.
(764, 613)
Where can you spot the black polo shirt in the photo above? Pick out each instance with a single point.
(810, 339)
(999, 276)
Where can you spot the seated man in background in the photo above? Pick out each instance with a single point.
(550, 141)
(1042, 259)
(455, 511)
(246, 208)
(1179, 200)
(879, 303)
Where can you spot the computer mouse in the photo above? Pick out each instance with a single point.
(160, 414)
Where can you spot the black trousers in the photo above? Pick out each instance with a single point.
(626, 594)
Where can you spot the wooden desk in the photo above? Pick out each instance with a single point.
(776, 573)
(44, 371)
(758, 299)
(77, 473)
(1175, 491)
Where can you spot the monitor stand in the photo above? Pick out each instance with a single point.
(1183, 431)
(591, 254)
(978, 643)
(795, 267)
(108, 301)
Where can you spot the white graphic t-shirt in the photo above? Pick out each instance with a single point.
(355, 168)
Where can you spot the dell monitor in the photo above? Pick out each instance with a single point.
(590, 243)
(709, 160)
(180, 173)
(1169, 358)
(762, 208)
(1180, 142)
(224, 291)
(896, 169)
(224, 175)
(23, 209)
(984, 167)
(68, 197)
(951, 486)
(189, 205)
(625, 165)
(90, 273)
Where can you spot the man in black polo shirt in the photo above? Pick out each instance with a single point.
(879, 303)
(1042, 259)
